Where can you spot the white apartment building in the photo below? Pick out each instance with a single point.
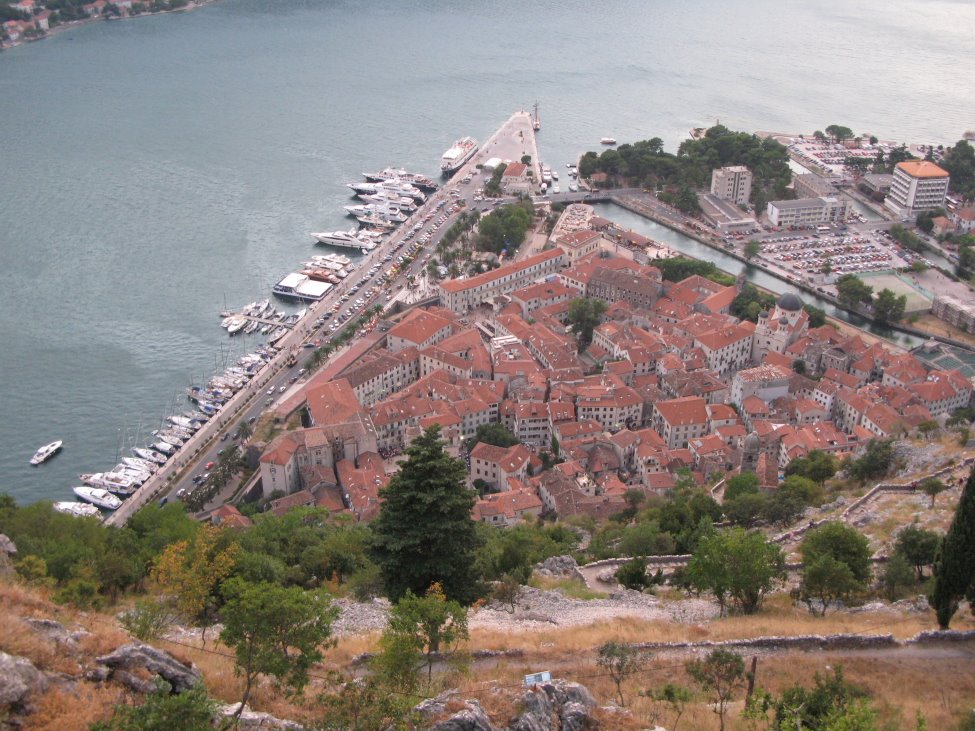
(918, 185)
(807, 211)
(460, 295)
(732, 184)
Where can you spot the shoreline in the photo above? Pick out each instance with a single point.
(74, 24)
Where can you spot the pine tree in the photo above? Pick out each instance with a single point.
(954, 567)
(424, 533)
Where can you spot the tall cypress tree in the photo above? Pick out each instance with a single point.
(954, 567)
(425, 533)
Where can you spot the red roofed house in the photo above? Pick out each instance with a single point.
(418, 329)
(498, 465)
(578, 244)
(679, 420)
(508, 508)
(515, 179)
(461, 295)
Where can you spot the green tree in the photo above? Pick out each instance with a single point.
(839, 133)
(584, 314)
(959, 161)
(275, 631)
(932, 487)
(898, 577)
(738, 565)
(954, 567)
(497, 434)
(432, 624)
(852, 291)
(675, 696)
(741, 484)
(827, 580)
(817, 466)
(190, 710)
(842, 543)
(244, 431)
(620, 661)
(752, 249)
(876, 461)
(918, 546)
(889, 307)
(722, 674)
(633, 574)
(424, 533)
(746, 510)
(817, 317)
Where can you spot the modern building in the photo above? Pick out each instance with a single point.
(917, 185)
(954, 311)
(807, 211)
(732, 184)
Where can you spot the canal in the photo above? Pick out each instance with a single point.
(696, 250)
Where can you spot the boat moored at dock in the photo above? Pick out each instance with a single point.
(300, 288)
(345, 239)
(98, 496)
(458, 154)
(79, 510)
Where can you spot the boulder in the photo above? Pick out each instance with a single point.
(180, 677)
(471, 718)
(576, 717)
(57, 632)
(19, 680)
(558, 565)
(7, 546)
(254, 721)
(432, 707)
(569, 702)
(536, 712)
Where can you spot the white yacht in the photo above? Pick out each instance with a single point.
(149, 455)
(236, 325)
(46, 452)
(420, 181)
(182, 421)
(97, 496)
(397, 203)
(79, 510)
(110, 481)
(371, 210)
(140, 464)
(346, 239)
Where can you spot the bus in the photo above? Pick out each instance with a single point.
(823, 229)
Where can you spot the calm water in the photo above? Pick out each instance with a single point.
(157, 169)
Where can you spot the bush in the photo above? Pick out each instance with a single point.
(147, 620)
(633, 574)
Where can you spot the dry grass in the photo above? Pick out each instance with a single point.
(19, 638)
(573, 588)
(75, 710)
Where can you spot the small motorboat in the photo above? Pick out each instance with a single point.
(98, 496)
(46, 452)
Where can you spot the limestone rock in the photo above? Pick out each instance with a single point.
(254, 721)
(432, 707)
(159, 662)
(536, 712)
(19, 680)
(57, 632)
(7, 546)
(557, 565)
(575, 717)
(472, 718)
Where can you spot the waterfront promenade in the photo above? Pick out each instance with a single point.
(512, 140)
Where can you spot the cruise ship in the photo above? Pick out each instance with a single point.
(301, 288)
(345, 239)
(420, 181)
(454, 158)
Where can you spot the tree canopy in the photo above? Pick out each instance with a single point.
(888, 307)
(584, 314)
(424, 533)
(738, 565)
(954, 568)
(842, 543)
(853, 291)
(505, 227)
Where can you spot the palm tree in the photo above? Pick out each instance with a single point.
(244, 431)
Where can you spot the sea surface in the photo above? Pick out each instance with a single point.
(158, 170)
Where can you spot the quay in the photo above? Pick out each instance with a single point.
(512, 140)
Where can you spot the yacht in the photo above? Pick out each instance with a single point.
(375, 222)
(184, 422)
(170, 439)
(399, 203)
(140, 464)
(110, 481)
(384, 212)
(420, 181)
(150, 455)
(97, 496)
(346, 239)
(607, 141)
(46, 452)
(238, 324)
(458, 154)
(164, 447)
(79, 510)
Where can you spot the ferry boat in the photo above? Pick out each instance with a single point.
(420, 181)
(97, 496)
(458, 154)
(79, 510)
(46, 452)
(300, 288)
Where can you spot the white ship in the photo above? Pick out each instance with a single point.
(110, 481)
(420, 181)
(79, 510)
(346, 239)
(46, 452)
(454, 158)
(97, 496)
(149, 455)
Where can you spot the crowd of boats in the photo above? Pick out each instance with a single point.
(106, 490)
